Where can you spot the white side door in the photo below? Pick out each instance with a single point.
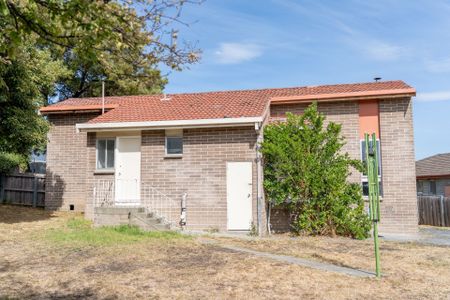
(128, 170)
(239, 195)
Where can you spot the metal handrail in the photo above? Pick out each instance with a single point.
(146, 196)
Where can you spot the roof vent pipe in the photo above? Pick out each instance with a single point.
(103, 96)
(165, 98)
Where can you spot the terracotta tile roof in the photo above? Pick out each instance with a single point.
(223, 104)
(434, 166)
(76, 107)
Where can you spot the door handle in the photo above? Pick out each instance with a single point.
(248, 196)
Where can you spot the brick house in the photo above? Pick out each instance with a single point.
(433, 175)
(158, 151)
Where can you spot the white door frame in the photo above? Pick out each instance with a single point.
(239, 185)
(117, 170)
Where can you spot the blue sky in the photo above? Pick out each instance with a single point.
(280, 43)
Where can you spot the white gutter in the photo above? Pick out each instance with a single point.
(174, 124)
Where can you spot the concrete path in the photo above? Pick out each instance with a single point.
(295, 260)
(439, 236)
(435, 235)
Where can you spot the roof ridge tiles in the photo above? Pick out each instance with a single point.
(128, 97)
(216, 104)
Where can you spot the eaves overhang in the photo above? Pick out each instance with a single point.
(170, 124)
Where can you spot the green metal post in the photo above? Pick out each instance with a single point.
(377, 250)
(374, 193)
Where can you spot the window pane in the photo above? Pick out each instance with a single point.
(110, 153)
(433, 187)
(101, 154)
(365, 188)
(420, 187)
(363, 156)
(174, 145)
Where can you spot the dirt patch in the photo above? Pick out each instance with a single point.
(114, 267)
(410, 270)
(33, 268)
(10, 214)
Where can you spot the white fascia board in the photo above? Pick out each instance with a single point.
(154, 125)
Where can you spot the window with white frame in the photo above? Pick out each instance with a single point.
(365, 180)
(105, 153)
(174, 142)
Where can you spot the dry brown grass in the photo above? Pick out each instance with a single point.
(410, 270)
(33, 267)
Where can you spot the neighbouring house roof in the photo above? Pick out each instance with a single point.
(435, 166)
(222, 105)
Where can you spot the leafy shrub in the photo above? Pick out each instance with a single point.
(305, 171)
(10, 161)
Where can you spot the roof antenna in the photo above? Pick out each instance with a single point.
(103, 96)
(377, 79)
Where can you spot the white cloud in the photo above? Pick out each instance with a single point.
(234, 53)
(438, 66)
(433, 96)
(383, 51)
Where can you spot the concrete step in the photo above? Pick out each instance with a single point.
(148, 224)
(115, 210)
(145, 218)
(157, 227)
(116, 215)
(151, 216)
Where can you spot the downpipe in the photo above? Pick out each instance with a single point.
(183, 211)
(259, 191)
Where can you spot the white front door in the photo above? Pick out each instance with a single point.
(128, 170)
(239, 195)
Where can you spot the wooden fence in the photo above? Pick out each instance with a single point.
(23, 189)
(434, 210)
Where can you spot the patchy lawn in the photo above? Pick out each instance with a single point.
(59, 255)
(79, 232)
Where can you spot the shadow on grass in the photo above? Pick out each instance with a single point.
(28, 292)
(11, 214)
(54, 187)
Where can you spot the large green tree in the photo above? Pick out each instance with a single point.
(306, 171)
(23, 83)
(55, 49)
(123, 42)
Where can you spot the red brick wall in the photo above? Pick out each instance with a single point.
(345, 113)
(66, 163)
(399, 204)
(399, 211)
(201, 172)
(90, 174)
